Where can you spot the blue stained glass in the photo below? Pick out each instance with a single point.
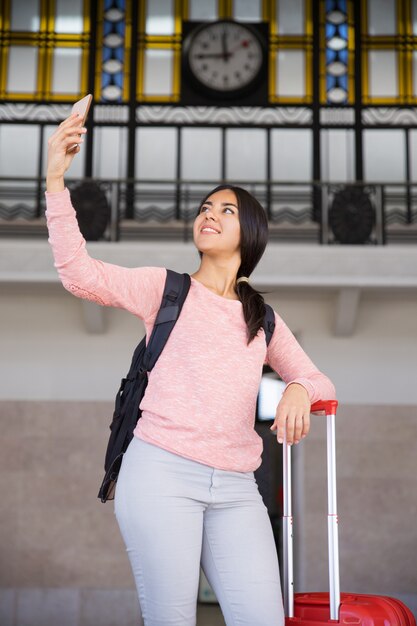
(105, 79)
(113, 26)
(330, 31)
(336, 85)
(120, 28)
(343, 56)
(119, 54)
(109, 53)
(336, 5)
(343, 30)
(330, 82)
(336, 81)
(337, 55)
(114, 4)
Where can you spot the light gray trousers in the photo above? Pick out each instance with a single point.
(174, 513)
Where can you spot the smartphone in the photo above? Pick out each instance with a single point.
(82, 107)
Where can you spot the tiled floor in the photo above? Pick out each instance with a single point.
(86, 607)
(209, 615)
(96, 607)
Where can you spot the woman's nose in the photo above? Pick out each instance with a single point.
(210, 214)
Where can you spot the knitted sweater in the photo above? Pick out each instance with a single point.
(200, 400)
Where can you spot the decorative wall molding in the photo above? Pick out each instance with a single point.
(338, 115)
(233, 116)
(375, 116)
(34, 112)
(111, 113)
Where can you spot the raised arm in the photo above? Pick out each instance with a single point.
(139, 290)
(305, 383)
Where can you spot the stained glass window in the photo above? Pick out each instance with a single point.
(336, 59)
(291, 47)
(44, 55)
(389, 41)
(113, 46)
(202, 10)
(247, 10)
(159, 51)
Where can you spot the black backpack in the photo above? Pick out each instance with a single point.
(132, 388)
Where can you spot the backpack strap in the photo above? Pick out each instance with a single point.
(175, 291)
(269, 323)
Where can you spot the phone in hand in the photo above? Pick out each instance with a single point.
(82, 107)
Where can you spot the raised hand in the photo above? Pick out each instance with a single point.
(61, 150)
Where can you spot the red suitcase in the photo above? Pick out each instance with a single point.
(319, 609)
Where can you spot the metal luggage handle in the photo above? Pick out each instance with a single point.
(329, 407)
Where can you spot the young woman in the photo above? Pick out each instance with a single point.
(186, 492)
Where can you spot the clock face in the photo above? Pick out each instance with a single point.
(225, 57)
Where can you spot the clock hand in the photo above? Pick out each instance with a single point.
(212, 56)
(226, 54)
(223, 55)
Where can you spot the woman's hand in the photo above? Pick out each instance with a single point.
(60, 154)
(293, 413)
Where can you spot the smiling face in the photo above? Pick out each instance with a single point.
(219, 212)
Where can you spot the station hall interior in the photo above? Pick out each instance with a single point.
(313, 110)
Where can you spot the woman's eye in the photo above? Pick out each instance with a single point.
(225, 209)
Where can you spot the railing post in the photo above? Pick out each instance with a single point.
(379, 231)
(186, 195)
(114, 211)
(384, 234)
(324, 214)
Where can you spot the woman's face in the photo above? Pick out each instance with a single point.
(219, 212)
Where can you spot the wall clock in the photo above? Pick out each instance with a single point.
(224, 59)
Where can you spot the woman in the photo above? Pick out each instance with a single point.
(186, 491)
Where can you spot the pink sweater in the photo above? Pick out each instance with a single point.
(201, 396)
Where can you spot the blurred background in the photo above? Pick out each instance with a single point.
(312, 106)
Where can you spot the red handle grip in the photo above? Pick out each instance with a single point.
(328, 406)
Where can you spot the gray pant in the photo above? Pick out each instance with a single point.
(173, 513)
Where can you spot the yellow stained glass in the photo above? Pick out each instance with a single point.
(46, 29)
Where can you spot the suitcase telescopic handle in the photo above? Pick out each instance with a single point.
(329, 407)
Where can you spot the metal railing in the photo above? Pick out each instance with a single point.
(313, 211)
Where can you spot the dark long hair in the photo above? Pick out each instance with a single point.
(253, 240)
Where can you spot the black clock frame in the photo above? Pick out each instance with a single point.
(193, 92)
